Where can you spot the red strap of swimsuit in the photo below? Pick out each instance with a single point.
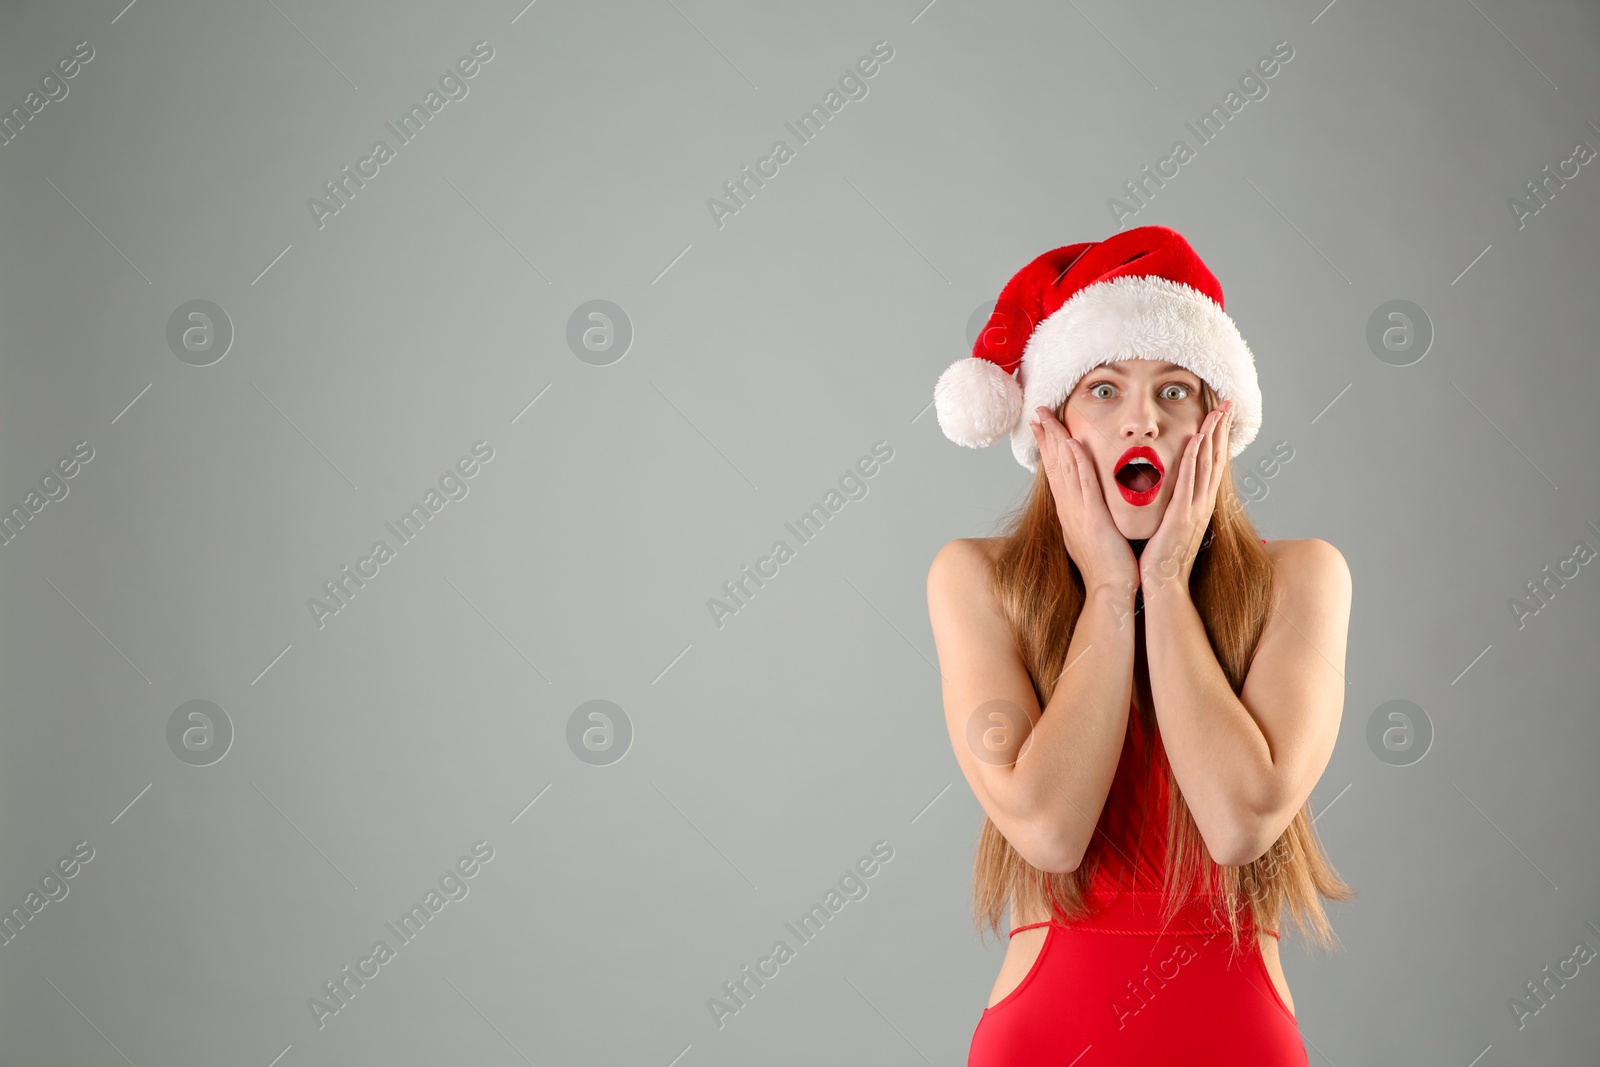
(1030, 926)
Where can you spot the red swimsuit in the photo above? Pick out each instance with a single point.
(1116, 988)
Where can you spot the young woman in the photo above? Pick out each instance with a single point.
(1140, 692)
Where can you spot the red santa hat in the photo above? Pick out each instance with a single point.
(1140, 294)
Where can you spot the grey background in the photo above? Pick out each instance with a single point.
(768, 356)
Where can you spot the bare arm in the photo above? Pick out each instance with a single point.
(1047, 802)
(1247, 763)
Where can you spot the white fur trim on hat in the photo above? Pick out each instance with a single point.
(977, 402)
(1137, 317)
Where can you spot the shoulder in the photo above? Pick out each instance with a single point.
(963, 565)
(1310, 568)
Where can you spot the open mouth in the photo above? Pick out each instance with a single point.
(1139, 473)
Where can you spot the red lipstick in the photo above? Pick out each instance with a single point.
(1129, 474)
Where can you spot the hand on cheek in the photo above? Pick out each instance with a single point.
(1169, 555)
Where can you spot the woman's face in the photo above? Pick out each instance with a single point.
(1144, 404)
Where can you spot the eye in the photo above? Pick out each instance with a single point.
(1183, 390)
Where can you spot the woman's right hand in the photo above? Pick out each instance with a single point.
(1102, 554)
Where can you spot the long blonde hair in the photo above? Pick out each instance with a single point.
(1040, 592)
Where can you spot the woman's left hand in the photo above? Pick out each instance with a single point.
(1169, 555)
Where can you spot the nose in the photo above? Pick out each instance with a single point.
(1139, 418)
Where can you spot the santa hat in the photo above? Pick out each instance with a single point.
(1140, 294)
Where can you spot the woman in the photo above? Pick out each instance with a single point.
(1140, 692)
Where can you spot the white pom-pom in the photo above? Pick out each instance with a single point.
(977, 402)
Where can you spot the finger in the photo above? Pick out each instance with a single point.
(1213, 451)
(1208, 458)
(1208, 461)
(1058, 462)
(1088, 479)
(1049, 433)
(1084, 489)
(1047, 458)
(1219, 450)
(1191, 461)
(1073, 449)
(1040, 429)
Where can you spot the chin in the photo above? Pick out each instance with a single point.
(1136, 524)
